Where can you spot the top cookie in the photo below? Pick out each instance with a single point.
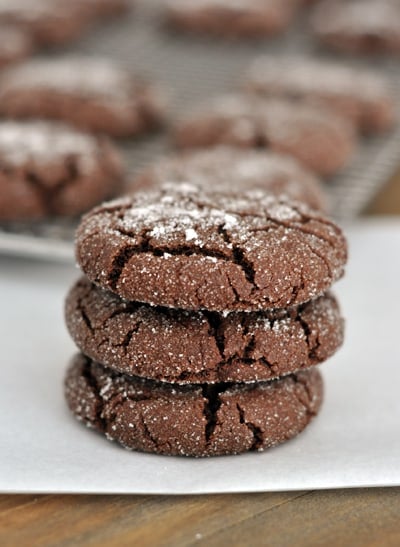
(231, 18)
(361, 95)
(184, 248)
(90, 93)
(225, 169)
(317, 137)
(358, 26)
(48, 22)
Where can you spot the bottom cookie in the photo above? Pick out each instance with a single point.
(207, 420)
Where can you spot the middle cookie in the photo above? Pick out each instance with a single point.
(195, 347)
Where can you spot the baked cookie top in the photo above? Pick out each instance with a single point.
(318, 137)
(226, 169)
(83, 77)
(50, 169)
(361, 95)
(182, 247)
(358, 25)
(231, 18)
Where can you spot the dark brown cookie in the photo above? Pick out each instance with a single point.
(231, 18)
(49, 169)
(358, 26)
(201, 347)
(48, 22)
(91, 93)
(14, 45)
(361, 95)
(227, 169)
(184, 248)
(316, 136)
(191, 420)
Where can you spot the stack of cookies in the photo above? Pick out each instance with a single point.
(200, 319)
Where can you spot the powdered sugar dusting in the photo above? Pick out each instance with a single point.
(21, 142)
(82, 76)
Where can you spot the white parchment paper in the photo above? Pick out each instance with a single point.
(355, 441)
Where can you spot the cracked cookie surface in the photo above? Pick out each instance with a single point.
(191, 420)
(181, 347)
(227, 169)
(184, 248)
(319, 138)
(49, 169)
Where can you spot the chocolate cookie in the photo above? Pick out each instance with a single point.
(315, 136)
(14, 45)
(231, 18)
(184, 248)
(91, 93)
(229, 169)
(201, 347)
(358, 26)
(361, 95)
(191, 420)
(48, 22)
(49, 169)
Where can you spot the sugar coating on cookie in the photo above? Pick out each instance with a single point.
(187, 248)
(358, 26)
(51, 169)
(363, 95)
(48, 22)
(195, 347)
(317, 137)
(92, 93)
(227, 169)
(191, 420)
(231, 18)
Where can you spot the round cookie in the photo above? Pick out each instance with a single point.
(93, 94)
(358, 26)
(184, 248)
(230, 169)
(47, 22)
(358, 94)
(316, 136)
(191, 420)
(14, 45)
(201, 347)
(231, 18)
(50, 169)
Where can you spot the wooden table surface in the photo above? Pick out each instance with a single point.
(365, 517)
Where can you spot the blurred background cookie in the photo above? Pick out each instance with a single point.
(15, 44)
(49, 169)
(48, 22)
(227, 169)
(317, 137)
(94, 94)
(231, 18)
(359, 94)
(358, 26)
